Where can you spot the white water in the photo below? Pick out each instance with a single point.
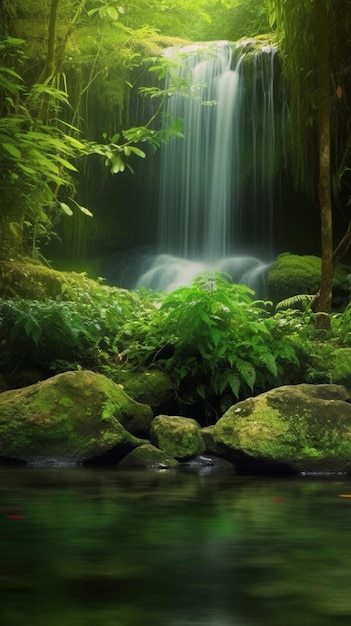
(216, 195)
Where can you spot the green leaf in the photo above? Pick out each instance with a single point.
(8, 70)
(26, 169)
(11, 149)
(75, 143)
(247, 372)
(234, 382)
(14, 41)
(84, 210)
(15, 229)
(66, 164)
(138, 152)
(112, 13)
(66, 208)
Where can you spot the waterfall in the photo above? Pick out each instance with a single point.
(216, 196)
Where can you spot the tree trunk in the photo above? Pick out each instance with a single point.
(49, 67)
(324, 188)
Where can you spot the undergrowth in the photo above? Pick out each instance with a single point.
(215, 340)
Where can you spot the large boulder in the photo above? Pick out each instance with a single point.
(295, 428)
(291, 274)
(180, 437)
(73, 417)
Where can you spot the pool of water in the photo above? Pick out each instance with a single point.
(87, 547)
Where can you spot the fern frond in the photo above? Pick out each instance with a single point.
(269, 362)
(301, 300)
(247, 372)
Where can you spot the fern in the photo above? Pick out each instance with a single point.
(302, 300)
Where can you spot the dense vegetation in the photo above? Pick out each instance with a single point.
(69, 78)
(216, 342)
(69, 72)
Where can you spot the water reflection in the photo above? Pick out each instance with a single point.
(90, 547)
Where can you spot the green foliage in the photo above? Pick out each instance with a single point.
(224, 342)
(217, 343)
(39, 152)
(230, 20)
(341, 326)
(60, 335)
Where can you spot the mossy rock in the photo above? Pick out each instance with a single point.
(178, 436)
(148, 456)
(73, 417)
(34, 281)
(292, 428)
(291, 275)
(153, 388)
(211, 445)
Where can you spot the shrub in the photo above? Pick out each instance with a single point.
(225, 344)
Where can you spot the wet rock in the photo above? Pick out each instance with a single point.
(207, 464)
(178, 436)
(299, 428)
(148, 456)
(73, 417)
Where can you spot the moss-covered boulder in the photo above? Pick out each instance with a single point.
(34, 281)
(291, 274)
(295, 428)
(73, 417)
(148, 456)
(211, 445)
(178, 436)
(151, 387)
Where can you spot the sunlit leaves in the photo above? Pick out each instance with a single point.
(224, 341)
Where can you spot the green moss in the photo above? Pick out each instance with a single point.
(148, 455)
(294, 426)
(33, 423)
(180, 437)
(291, 274)
(65, 401)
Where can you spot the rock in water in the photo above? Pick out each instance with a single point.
(73, 417)
(301, 428)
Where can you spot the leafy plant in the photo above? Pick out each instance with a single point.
(341, 326)
(224, 341)
(60, 335)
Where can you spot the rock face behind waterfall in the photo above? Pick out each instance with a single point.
(70, 418)
(297, 428)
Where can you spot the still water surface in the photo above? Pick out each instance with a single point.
(109, 548)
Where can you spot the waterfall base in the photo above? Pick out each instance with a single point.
(164, 272)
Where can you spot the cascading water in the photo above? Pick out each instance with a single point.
(216, 196)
